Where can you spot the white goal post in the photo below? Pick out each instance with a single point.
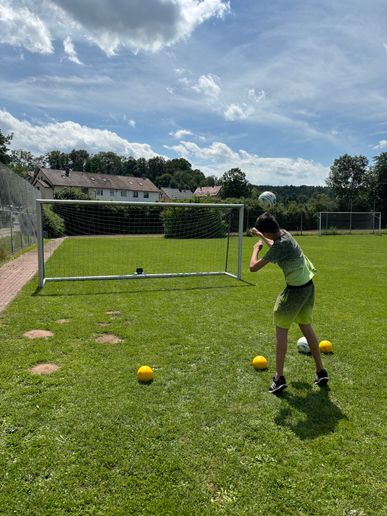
(134, 240)
(341, 222)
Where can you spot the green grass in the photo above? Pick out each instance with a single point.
(205, 437)
(120, 256)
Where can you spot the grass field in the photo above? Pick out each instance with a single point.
(206, 437)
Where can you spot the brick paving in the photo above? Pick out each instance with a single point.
(16, 273)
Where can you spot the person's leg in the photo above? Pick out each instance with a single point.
(310, 336)
(282, 346)
(279, 382)
(285, 311)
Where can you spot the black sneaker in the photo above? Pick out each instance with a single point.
(278, 385)
(321, 377)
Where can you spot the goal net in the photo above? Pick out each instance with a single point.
(342, 222)
(134, 240)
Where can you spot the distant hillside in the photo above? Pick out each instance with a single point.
(294, 193)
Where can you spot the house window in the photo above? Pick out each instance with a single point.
(99, 192)
(111, 193)
(146, 195)
(123, 193)
(135, 194)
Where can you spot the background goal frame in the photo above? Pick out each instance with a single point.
(43, 278)
(325, 217)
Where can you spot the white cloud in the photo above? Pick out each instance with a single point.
(184, 80)
(67, 136)
(208, 85)
(180, 133)
(381, 145)
(132, 123)
(236, 112)
(147, 25)
(21, 27)
(70, 50)
(219, 157)
(257, 97)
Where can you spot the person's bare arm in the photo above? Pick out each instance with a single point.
(256, 263)
(255, 232)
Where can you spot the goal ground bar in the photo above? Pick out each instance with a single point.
(140, 276)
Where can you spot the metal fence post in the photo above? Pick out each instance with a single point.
(39, 223)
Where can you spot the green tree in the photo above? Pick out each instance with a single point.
(129, 166)
(348, 179)
(22, 162)
(198, 177)
(57, 160)
(156, 167)
(173, 165)
(321, 202)
(165, 180)
(235, 184)
(4, 142)
(106, 163)
(79, 159)
(141, 169)
(209, 181)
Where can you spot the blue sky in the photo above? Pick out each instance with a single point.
(278, 88)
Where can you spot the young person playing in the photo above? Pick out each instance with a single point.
(295, 302)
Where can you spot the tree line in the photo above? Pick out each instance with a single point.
(353, 183)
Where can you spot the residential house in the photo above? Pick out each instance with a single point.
(175, 194)
(104, 187)
(208, 191)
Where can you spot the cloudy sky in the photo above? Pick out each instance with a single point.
(278, 88)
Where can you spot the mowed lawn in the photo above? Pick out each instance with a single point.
(206, 437)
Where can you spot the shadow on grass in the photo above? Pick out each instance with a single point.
(88, 289)
(314, 415)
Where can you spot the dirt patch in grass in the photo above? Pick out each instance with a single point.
(108, 338)
(103, 324)
(63, 321)
(38, 334)
(44, 369)
(114, 313)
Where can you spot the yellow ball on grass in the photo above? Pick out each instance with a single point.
(145, 374)
(259, 362)
(325, 346)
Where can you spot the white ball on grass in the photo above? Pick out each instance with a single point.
(302, 345)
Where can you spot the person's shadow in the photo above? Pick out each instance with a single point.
(321, 415)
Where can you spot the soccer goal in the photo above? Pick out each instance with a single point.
(342, 222)
(134, 240)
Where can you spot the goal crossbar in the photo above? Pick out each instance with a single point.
(43, 277)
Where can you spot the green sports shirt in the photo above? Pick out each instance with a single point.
(286, 252)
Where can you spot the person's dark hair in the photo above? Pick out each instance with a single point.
(267, 223)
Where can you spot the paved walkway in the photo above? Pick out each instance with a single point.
(16, 273)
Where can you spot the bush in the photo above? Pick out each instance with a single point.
(53, 224)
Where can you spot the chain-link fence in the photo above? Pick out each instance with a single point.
(17, 213)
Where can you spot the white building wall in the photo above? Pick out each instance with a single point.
(116, 195)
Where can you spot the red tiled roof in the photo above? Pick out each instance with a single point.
(211, 191)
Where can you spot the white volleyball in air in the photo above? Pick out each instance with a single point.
(267, 200)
